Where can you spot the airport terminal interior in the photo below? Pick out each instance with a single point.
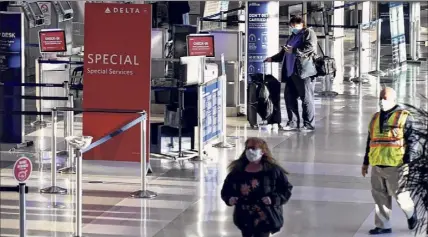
(62, 82)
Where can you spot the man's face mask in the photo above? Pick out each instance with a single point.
(386, 104)
(296, 29)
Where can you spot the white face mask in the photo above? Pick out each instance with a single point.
(386, 105)
(253, 155)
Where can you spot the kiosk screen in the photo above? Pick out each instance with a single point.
(200, 45)
(52, 41)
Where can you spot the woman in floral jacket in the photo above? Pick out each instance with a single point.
(258, 188)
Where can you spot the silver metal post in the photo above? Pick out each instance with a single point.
(378, 46)
(22, 211)
(143, 154)
(79, 194)
(65, 119)
(144, 192)
(71, 166)
(199, 24)
(221, 18)
(53, 147)
(360, 53)
(356, 22)
(39, 121)
(54, 189)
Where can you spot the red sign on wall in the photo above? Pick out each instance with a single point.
(117, 76)
(200, 45)
(22, 169)
(52, 41)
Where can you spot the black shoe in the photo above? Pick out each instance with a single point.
(379, 231)
(413, 221)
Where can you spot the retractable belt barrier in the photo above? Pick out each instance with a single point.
(38, 113)
(69, 111)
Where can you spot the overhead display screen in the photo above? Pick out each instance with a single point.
(200, 45)
(52, 41)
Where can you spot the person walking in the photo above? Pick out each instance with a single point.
(258, 188)
(298, 70)
(390, 147)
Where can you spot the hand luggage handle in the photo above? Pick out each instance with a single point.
(264, 69)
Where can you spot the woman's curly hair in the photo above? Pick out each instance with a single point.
(417, 182)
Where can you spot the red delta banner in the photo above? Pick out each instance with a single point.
(117, 76)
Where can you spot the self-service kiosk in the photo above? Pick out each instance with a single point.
(42, 15)
(63, 10)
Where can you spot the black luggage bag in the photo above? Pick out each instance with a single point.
(252, 101)
(260, 99)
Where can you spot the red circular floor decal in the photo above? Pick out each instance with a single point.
(22, 169)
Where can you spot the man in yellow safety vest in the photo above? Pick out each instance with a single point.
(390, 147)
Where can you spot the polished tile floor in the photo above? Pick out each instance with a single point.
(330, 198)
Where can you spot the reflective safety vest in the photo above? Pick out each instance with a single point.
(387, 147)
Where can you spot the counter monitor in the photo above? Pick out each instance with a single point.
(200, 45)
(52, 41)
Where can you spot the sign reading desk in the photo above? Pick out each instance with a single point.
(12, 68)
(117, 75)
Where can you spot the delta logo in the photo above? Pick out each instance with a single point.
(123, 10)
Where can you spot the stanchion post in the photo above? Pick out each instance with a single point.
(200, 25)
(71, 165)
(378, 46)
(360, 53)
(222, 18)
(144, 192)
(22, 211)
(53, 147)
(79, 194)
(54, 189)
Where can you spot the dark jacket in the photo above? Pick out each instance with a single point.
(409, 138)
(275, 186)
(308, 49)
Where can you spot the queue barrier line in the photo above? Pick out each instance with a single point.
(60, 62)
(115, 133)
(12, 189)
(9, 84)
(34, 97)
(25, 112)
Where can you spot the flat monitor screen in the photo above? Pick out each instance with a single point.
(65, 5)
(179, 34)
(200, 45)
(52, 41)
